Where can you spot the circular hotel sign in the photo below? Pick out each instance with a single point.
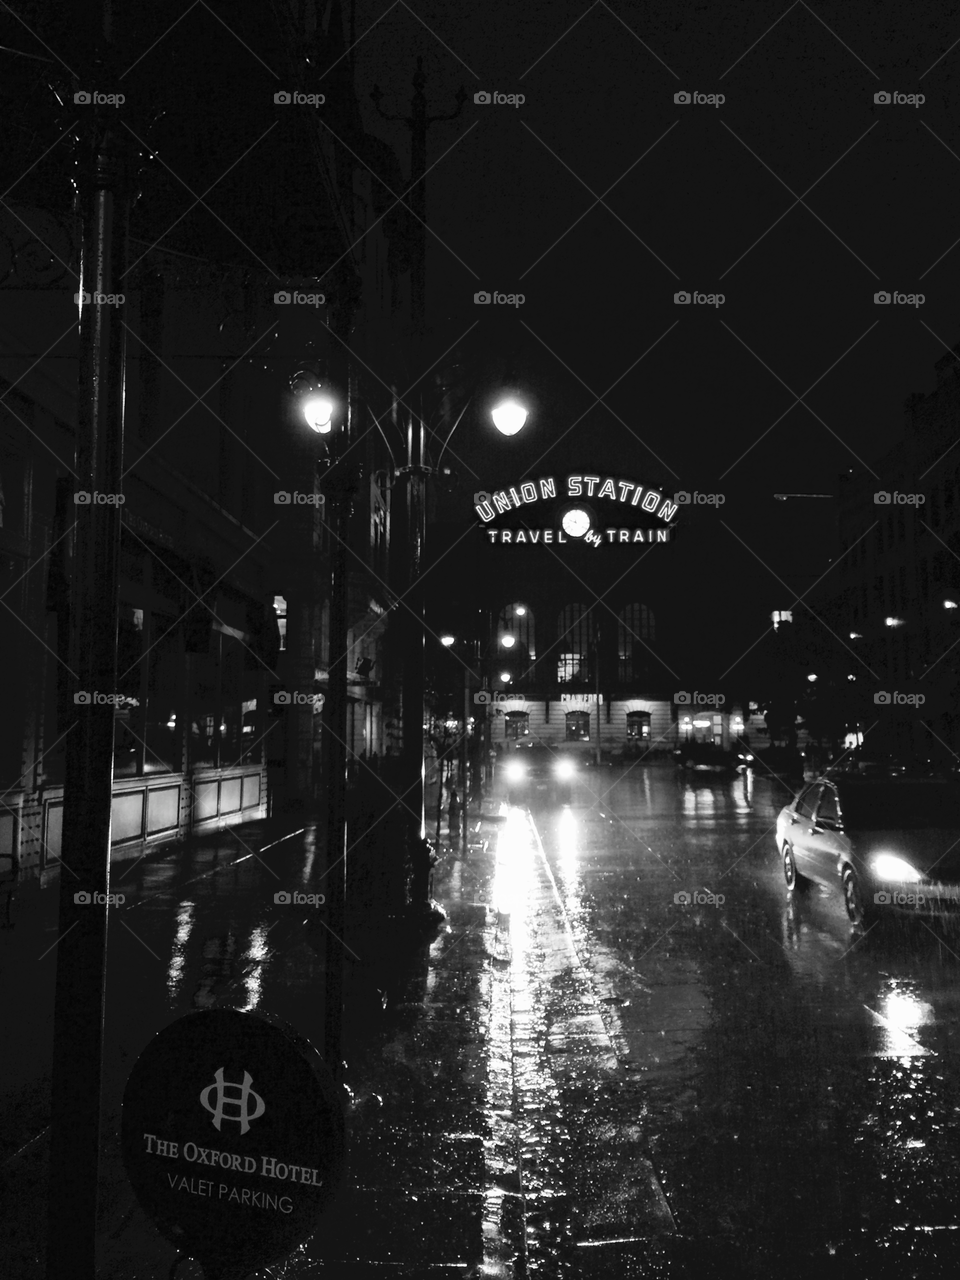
(233, 1139)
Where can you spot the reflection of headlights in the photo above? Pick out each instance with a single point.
(889, 867)
(515, 770)
(564, 769)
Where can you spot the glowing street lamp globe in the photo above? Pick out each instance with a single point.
(447, 641)
(508, 641)
(505, 677)
(318, 411)
(509, 417)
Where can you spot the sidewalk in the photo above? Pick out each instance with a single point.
(485, 1096)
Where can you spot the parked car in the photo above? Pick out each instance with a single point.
(538, 771)
(885, 842)
(866, 762)
(708, 757)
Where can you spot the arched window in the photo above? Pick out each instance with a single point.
(573, 643)
(516, 724)
(577, 726)
(636, 629)
(638, 726)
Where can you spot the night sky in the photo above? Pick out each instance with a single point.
(598, 199)
(697, 197)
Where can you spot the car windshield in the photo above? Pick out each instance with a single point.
(900, 806)
(539, 755)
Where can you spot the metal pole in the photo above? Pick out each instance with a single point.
(88, 788)
(414, 669)
(596, 679)
(465, 759)
(339, 490)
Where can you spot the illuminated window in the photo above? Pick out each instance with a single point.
(636, 630)
(578, 726)
(573, 628)
(638, 726)
(517, 724)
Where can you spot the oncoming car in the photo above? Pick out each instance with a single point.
(539, 772)
(887, 843)
(708, 757)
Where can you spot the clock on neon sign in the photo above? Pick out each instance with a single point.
(576, 521)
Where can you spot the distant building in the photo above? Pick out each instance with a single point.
(893, 598)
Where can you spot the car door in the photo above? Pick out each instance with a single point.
(800, 828)
(825, 841)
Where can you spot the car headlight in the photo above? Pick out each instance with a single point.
(564, 768)
(515, 770)
(887, 866)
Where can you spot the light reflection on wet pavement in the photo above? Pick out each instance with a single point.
(582, 1076)
(795, 1087)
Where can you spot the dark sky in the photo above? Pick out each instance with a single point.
(695, 197)
(701, 396)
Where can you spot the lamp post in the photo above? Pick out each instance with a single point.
(319, 406)
(105, 178)
(509, 416)
(448, 641)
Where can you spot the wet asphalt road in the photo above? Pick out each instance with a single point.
(795, 1084)
(634, 1086)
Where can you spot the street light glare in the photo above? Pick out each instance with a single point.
(318, 411)
(447, 641)
(509, 416)
(505, 677)
(521, 611)
(508, 641)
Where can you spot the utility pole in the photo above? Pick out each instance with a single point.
(105, 187)
(340, 487)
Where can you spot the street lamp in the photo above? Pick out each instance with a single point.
(508, 641)
(509, 416)
(317, 405)
(414, 677)
(317, 402)
(318, 411)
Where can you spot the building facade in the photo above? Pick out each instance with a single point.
(224, 643)
(890, 605)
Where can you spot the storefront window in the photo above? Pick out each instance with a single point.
(128, 712)
(163, 725)
(223, 716)
(204, 699)
(231, 699)
(638, 726)
(517, 724)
